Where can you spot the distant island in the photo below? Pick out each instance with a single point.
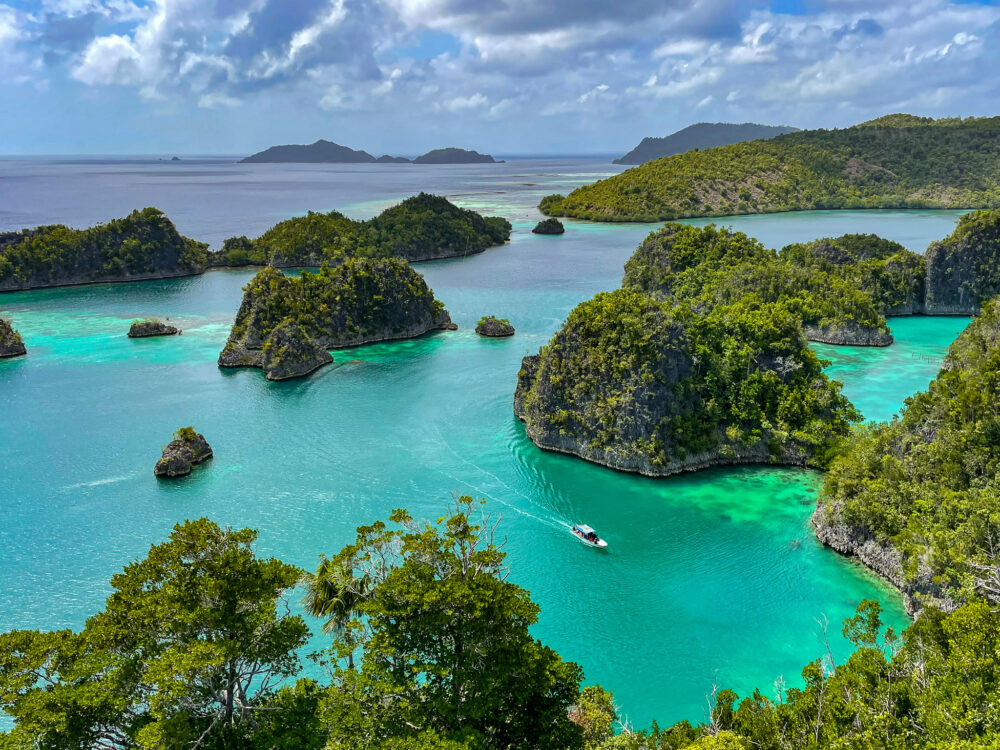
(897, 161)
(327, 152)
(319, 152)
(454, 156)
(701, 136)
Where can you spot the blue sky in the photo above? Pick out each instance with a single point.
(503, 76)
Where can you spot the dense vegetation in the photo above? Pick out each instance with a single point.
(360, 301)
(700, 136)
(428, 648)
(892, 275)
(926, 486)
(714, 266)
(423, 227)
(964, 269)
(898, 161)
(641, 385)
(144, 244)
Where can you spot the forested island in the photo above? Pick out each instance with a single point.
(454, 156)
(424, 227)
(320, 152)
(897, 161)
(146, 245)
(918, 499)
(143, 245)
(286, 324)
(701, 135)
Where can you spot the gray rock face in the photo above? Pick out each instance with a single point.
(11, 344)
(290, 353)
(141, 329)
(963, 270)
(848, 335)
(182, 453)
(880, 557)
(494, 327)
(549, 226)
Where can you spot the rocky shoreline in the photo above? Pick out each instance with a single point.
(848, 335)
(882, 559)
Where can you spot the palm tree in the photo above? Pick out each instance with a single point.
(333, 593)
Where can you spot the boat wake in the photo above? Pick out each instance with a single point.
(548, 518)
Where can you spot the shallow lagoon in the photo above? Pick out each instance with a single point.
(711, 577)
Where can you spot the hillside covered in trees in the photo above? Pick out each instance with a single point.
(700, 136)
(898, 161)
(424, 227)
(713, 266)
(143, 245)
(918, 499)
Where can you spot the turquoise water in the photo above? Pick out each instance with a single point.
(710, 577)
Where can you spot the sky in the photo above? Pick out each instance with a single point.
(506, 77)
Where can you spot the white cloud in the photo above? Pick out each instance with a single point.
(110, 60)
(458, 103)
(17, 64)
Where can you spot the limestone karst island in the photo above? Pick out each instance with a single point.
(499, 376)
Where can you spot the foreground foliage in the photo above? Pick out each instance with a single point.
(190, 647)
(899, 161)
(935, 686)
(196, 649)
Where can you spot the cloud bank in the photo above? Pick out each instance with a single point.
(597, 73)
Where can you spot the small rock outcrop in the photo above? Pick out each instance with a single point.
(494, 327)
(290, 353)
(141, 329)
(11, 343)
(549, 226)
(187, 449)
(286, 324)
(454, 155)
